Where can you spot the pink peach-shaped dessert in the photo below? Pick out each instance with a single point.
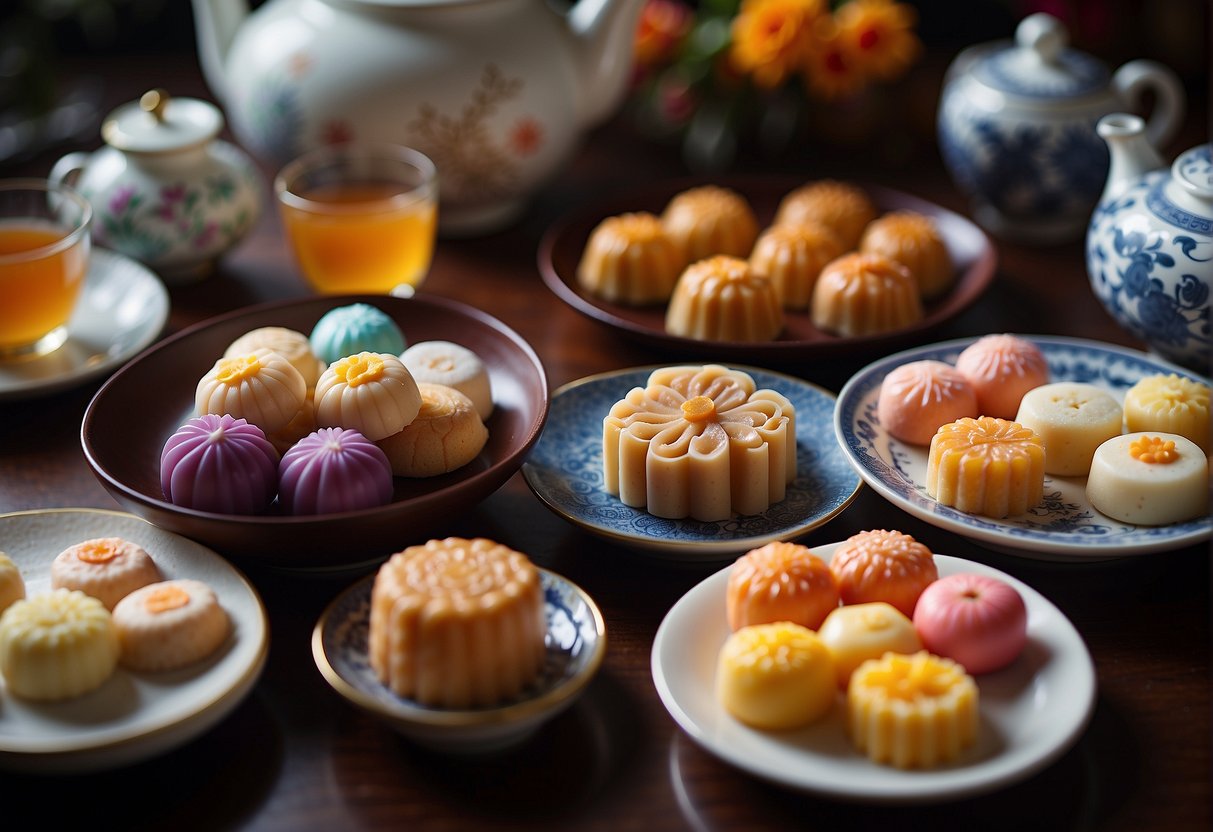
(332, 470)
(978, 621)
(1001, 369)
(219, 463)
(916, 398)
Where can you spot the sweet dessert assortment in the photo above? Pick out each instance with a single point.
(865, 294)
(1170, 403)
(57, 645)
(107, 568)
(1002, 368)
(169, 625)
(457, 623)
(723, 298)
(334, 440)
(1150, 479)
(1072, 420)
(989, 466)
(906, 677)
(12, 585)
(919, 396)
(875, 287)
(700, 442)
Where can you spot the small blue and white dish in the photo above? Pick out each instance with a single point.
(576, 645)
(1064, 527)
(565, 472)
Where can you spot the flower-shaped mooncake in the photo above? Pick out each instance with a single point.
(261, 387)
(699, 442)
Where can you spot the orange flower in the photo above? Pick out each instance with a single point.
(771, 38)
(829, 69)
(526, 136)
(878, 36)
(662, 26)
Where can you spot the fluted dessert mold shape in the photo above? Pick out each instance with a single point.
(333, 470)
(219, 464)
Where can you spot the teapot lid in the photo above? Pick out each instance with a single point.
(1040, 65)
(158, 123)
(1193, 171)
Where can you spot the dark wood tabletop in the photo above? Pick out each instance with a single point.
(294, 756)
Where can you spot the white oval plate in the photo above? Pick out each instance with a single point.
(132, 716)
(1031, 711)
(565, 472)
(122, 309)
(1064, 526)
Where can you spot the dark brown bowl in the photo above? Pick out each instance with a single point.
(561, 248)
(135, 412)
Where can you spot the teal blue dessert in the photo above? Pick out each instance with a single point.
(359, 327)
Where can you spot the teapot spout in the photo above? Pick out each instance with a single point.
(1132, 154)
(603, 31)
(217, 22)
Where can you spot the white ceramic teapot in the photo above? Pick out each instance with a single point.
(1016, 128)
(496, 92)
(164, 189)
(1150, 243)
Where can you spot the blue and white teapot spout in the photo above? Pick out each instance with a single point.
(1150, 243)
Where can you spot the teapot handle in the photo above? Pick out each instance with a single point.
(1136, 77)
(68, 167)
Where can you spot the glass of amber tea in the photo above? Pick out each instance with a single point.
(44, 249)
(360, 217)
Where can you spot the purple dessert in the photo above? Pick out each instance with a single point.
(220, 464)
(331, 470)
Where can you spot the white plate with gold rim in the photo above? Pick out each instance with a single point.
(1031, 712)
(132, 716)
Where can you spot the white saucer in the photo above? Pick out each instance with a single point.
(122, 309)
(1031, 711)
(132, 716)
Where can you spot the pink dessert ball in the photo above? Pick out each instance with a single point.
(333, 470)
(980, 622)
(916, 398)
(1001, 369)
(220, 464)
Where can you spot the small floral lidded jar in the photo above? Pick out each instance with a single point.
(165, 190)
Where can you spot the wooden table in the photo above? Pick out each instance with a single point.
(294, 756)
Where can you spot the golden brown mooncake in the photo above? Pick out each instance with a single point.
(711, 220)
(724, 299)
(844, 208)
(792, 257)
(913, 240)
(865, 294)
(631, 259)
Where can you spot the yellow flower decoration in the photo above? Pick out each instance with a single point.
(771, 38)
(877, 37)
(829, 69)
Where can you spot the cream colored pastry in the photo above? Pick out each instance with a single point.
(858, 632)
(1072, 420)
(724, 299)
(261, 387)
(290, 344)
(12, 585)
(792, 257)
(457, 623)
(441, 362)
(914, 711)
(843, 208)
(775, 676)
(1170, 403)
(913, 240)
(710, 220)
(698, 442)
(107, 568)
(303, 424)
(372, 393)
(57, 645)
(631, 258)
(169, 625)
(865, 294)
(1149, 479)
(447, 434)
(986, 466)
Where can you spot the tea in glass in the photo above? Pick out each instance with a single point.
(360, 218)
(44, 251)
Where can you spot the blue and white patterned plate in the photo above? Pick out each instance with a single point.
(576, 644)
(565, 472)
(1064, 526)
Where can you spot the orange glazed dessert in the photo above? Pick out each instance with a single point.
(987, 466)
(711, 220)
(457, 623)
(724, 299)
(843, 208)
(792, 257)
(631, 259)
(776, 676)
(882, 565)
(1002, 368)
(913, 240)
(780, 582)
(865, 294)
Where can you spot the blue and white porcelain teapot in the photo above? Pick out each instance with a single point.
(1016, 128)
(1150, 243)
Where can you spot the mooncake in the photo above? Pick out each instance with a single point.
(12, 585)
(453, 365)
(1002, 368)
(710, 220)
(913, 240)
(883, 565)
(917, 397)
(372, 393)
(865, 294)
(855, 633)
(290, 344)
(1149, 479)
(724, 299)
(446, 435)
(986, 466)
(780, 581)
(1170, 403)
(631, 259)
(57, 645)
(261, 387)
(775, 676)
(170, 625)
(107, 568)
(792, 257)
(1072, 420)
(841, 207)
